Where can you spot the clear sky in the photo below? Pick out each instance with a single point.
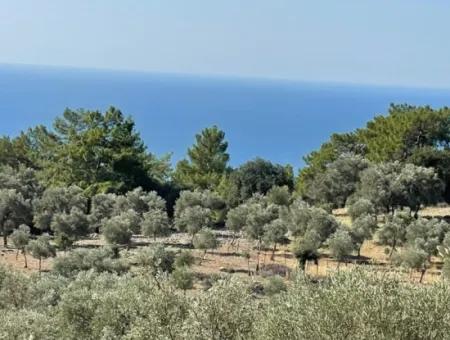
(392, 42)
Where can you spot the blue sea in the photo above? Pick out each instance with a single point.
(274, 119)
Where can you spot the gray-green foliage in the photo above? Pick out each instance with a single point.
(193, 219)
(206, 239)
(393, 231)
(360, 208)
(156, 259)
(275, 233)
(140, 201)
(104, 259)
(183, 278)
(191, 202)
(356, 305)
(41, 248)
(301, 218)
(155, 223)
(339, 180)
(413, 258)
(69, 227)
(306, 247)
(341, 244)
(353, 304)
(279, 195)
(362, 229)
(20, 239)
(21, 179)
(184, 259)
(55, 201)
(394, 185)
(259, 214)
(14, 210)
(103, 206)
(119, 229)
(274, 285)
(427, 234)
(237, 219)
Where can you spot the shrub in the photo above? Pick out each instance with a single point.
(183, 278)
(274, 285)
(100, 260)
(184, 259)
(156, 259)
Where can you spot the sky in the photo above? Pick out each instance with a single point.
(382, 42)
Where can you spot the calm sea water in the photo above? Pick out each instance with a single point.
(278, 120)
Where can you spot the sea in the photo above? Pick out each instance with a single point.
(279, 120)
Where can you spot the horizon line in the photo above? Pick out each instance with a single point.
(226, 76)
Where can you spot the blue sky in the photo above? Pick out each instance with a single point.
(400, 42)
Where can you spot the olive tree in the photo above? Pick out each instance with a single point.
(236, 221)
(339, 180)
(56, 201)
(279, 195)
(427, 234)
(193, 219)
(119, 229)
(184, 259)
(103, 206)
(20, 239)
(393, 232)
(275, 233)
(361, 207)
(301, 218)
(104, 259)
(155, 223)
(41, 248)
(140, 201)
(69, 227)
(362, 229)
(14, 210)
(340, 245)
(183, 278)
(206, 239)
(259, 216)
(395, 185)
(306, 248)
(414, 258)
(22, 179)
(203, 199)
(156, 259)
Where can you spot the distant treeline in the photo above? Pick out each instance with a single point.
(103, 153)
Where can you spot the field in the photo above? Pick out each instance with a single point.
(228, 258)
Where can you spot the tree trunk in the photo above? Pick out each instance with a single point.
(302, 263)
(17, 254)
(25, 258)
(5, 238)
(393, 248)
(40, 265)
(359, 251)
(272, 258)
(257, 261)
(422, 275)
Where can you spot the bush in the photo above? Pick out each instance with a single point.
(183, 278)
(156, 259)
(274, 285)
(184, 259)
(100, 260)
